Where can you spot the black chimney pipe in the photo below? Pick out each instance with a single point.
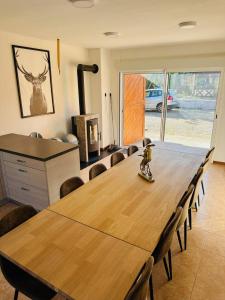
(80, 77)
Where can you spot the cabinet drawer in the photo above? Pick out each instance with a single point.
(27, 194)
(24, 174)
(23, 161)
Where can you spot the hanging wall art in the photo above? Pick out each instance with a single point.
(34, 81)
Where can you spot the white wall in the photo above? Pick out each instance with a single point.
(106, 67)
(100, 84)
(184, 57)
(65, 88)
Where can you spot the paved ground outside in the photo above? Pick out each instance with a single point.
(184, 126)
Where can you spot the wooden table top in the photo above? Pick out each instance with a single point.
(79, 262)
(40, 149)
(123, 205)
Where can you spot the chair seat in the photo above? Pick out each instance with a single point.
(27, 284)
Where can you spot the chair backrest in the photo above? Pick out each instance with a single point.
(196, 181)
(205, 165)
(210, 153)
(146, 141)
(96, 170)
(70, 185)
(140, 288)
(16, 217)
(185, 203)
(132, 149)
(116, 158)
(197, 175)
(36, 135)
(166, 238)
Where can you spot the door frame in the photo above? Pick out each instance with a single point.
(173, 70)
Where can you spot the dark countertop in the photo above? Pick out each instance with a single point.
(39, 149)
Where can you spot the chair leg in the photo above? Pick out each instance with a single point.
(179, 240)
(166, 268)
(190, 218)
(16, 294)
(170, 264)
(196, 207)
(203, 188)
(198, 200)
(185, 235)
(151, 288)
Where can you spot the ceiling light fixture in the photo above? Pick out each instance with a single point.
(83, 3)
(187, 25)
(111, 33)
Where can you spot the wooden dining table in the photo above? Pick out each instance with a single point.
(176, 147)
(122, 204)
(93, 243)
(75, 260)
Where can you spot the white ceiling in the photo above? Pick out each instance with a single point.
(140, 22)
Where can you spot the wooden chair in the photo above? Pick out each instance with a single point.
(210, 153)
(196, 181)
(164, 244)
(146, 141)
(205, 166)
(140, 288)
(96, 170)
(131, 150)
(70, 185)
(116, 158)
(18, 278)
(184, 203)
(36, 135)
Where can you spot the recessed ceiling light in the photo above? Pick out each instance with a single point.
(111, 33)
(83, 3)
(187, 25)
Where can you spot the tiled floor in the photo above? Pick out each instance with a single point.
(199, 272)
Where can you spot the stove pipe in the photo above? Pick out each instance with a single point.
(80, 77)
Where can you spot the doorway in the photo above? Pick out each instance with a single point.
(176, 107)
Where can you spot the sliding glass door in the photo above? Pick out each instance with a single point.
(154, 105)
(179, 107)
(190, 119)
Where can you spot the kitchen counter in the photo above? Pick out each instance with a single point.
(39, 149)
(32, 170)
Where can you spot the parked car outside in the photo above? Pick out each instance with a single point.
(154, 100)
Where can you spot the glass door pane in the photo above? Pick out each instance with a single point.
(154, 98)
(191, 105)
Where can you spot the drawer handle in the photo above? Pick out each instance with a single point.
(21, 170)
(21, 161)
(24, 189)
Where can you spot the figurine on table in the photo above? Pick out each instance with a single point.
(145, 171)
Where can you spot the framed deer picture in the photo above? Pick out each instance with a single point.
(34, 81)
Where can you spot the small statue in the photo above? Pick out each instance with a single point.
(145, 171)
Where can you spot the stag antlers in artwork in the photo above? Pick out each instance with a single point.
(38, 104)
